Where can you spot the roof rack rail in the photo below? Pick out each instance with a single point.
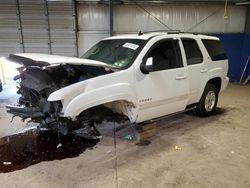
(163, 31)
(169, 32)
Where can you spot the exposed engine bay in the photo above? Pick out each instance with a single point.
(37, 80)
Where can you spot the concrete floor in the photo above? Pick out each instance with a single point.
(215, 152)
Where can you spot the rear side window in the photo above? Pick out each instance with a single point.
(214, 49)
(192, 50)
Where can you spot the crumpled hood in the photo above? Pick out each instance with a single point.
(36, 59)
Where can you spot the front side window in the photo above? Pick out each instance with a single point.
(165, 56)
(192, 51)
(214, 49)
(119, 53)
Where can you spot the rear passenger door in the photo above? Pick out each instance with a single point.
(196, 68)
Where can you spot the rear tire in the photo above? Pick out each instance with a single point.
(208, 101)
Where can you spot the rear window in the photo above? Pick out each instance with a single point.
(214, 49)
(192, 50)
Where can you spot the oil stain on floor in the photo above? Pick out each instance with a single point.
(21, 150)
(33, 146)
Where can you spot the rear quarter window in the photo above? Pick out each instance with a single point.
(192, 51)
(214, 49)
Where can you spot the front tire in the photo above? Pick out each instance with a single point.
(208, 101)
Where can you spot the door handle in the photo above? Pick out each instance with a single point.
(203, 70)
(180, 77)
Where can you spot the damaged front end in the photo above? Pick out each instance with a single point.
(38, 79)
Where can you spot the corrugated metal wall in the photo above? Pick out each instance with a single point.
(62, 26)
(10, 40)
(93, 25)
(93, 20)
(37, 26)
(51, 28)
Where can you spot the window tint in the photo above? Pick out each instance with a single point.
(214, 49)
(166, 55)
(192, 50)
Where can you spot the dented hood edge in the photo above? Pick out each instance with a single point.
(41, 60)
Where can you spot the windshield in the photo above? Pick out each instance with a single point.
(119, 53)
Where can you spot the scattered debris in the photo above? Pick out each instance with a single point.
(178, 148)
(108, 152)
(128, 137)
(59, 145)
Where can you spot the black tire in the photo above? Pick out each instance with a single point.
(201, 109)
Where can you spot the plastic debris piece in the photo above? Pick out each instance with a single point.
(59, 145)
(128, 137)
(232, 152)
(7, 163)
(177, 148)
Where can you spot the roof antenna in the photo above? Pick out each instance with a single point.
(140, 33)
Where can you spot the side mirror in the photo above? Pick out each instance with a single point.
(148, 66)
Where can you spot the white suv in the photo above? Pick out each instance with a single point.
(138, 77)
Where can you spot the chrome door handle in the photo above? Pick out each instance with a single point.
(180, 77)
(203, 70)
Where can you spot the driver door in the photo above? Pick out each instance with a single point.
(164, 90)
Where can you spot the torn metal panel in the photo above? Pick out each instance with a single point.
(38, 79)
(123, 107)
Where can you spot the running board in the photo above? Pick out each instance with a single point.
(139, 125)
(188, 108)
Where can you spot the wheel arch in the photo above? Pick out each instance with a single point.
(121, 106)
(216, 81)
(119, 100)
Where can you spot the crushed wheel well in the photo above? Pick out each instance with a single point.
(216, 82)
(119, 110)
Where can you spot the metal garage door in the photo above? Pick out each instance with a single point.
(37, 26)
(10, 40)
(93, 20)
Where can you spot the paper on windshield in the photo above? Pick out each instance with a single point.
(130, 45)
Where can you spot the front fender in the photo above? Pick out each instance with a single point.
(68, 92)
(98, 96)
